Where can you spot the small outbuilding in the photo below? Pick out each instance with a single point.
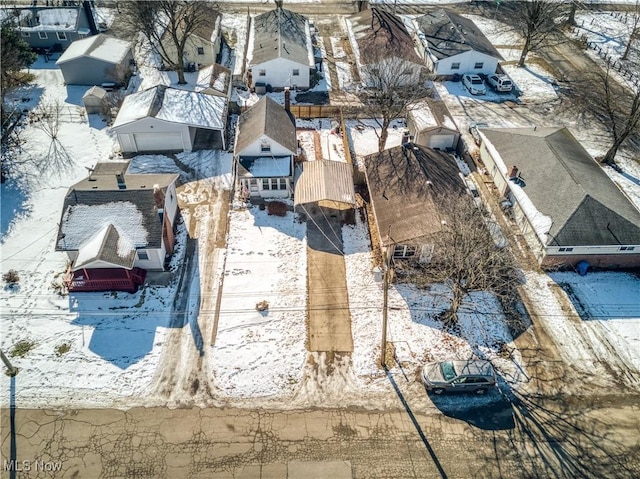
(431, 128)
(94, 99)
(96, 60)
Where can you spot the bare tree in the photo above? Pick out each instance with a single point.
(168, 25)
(622, 112)
(391, 85)
(467, 259)
(634, 31)
(536, 21)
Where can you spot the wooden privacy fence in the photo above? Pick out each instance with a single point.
(315, 111)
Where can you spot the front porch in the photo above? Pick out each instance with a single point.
(105, 279)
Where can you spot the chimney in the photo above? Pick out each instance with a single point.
(287, 99)
(513, 172)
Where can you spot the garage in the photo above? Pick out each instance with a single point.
(158, 141)
(441, 142)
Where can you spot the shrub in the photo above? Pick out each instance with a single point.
(21, 348)
(262, 306)
(11, 277)
(58, 287)
(62, 349)
(277, 208)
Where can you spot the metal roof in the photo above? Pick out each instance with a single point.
(325, 180)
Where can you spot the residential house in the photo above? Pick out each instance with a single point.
(169, 119)
(202, 45)
(324, 188)
(95, 60)
(432, 127)
(282, 53)
(265, 146)
(116, 226)
(381, 43)
(566, 206)
(44, 27)
(451, 44)
(408, 185)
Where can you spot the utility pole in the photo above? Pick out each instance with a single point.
(12, 371)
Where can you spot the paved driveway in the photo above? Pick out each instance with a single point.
(328, 303)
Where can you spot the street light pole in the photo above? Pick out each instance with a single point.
(386, 260)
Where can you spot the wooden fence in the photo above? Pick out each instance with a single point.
(315, 111)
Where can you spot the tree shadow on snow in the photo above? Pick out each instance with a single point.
(14, 205)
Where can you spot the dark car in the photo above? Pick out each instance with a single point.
(473, 376)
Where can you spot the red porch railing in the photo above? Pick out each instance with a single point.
(105, 279)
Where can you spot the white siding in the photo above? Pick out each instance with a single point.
(152, 126)
(279, 73)
(171, 202)
(255, 149)
(467, 61)
(155, 261)
(492, 169)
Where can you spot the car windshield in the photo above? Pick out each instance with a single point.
(476, 81)
(448, 373)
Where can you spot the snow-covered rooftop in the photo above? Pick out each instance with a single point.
(175, 106)
(101, 47)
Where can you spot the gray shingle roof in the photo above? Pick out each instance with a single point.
(380, 35)
(269, 118)
(325, 180)
(281, 33)
(107, 252)
(564, 182)
(406, 185)
(101, 188)
(450, 34)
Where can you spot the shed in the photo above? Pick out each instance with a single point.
(94, 99)
(96, 60)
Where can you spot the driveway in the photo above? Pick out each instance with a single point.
(328, 302)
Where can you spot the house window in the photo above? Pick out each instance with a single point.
(266, 184)
(262, 73)
(42, 35)
(296, 72)
(455, 66)
(627, 248)
(478, 65)
(25, 34)
(61, 35)
(565, 249)
(404, 251)
(142, 254)
(200, 50)
(282, 184)
(265, 146)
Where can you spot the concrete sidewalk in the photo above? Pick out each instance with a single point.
(328, 302)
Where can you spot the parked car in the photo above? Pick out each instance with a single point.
(473, 375)
(474, 84)
(500, 82)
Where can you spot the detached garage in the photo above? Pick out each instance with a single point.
(429, 130)
(168, 119)
(96, 60)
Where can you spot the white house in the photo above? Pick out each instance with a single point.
(265, 146)
(280, 53)
(168, 119)
(202, 45)
(383, 48)
(566, 206)
(452, 44)
(115, 226)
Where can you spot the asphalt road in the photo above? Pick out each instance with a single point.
(495, 438)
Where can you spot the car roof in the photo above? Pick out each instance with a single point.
(475, 367)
